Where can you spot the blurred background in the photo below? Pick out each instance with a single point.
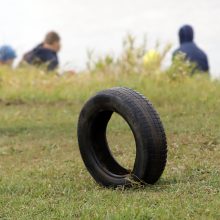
(101, 25)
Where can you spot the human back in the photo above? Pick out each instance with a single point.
(45, 53)
(190, 50)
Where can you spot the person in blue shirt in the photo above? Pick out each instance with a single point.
(45, 54)
(7, 55)
(191, 51)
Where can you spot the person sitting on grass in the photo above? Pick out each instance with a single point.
(190, 50)
(45, 54)
(7, 55)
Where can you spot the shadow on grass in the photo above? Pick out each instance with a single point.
(160, 186)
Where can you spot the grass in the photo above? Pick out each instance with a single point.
(42, 175)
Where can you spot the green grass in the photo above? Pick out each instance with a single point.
(42, 175)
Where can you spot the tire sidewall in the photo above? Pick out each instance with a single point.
(101, 102)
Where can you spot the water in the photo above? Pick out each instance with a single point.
(101, 25)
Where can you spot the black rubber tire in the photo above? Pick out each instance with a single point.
(149, 135)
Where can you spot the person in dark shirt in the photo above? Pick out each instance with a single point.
(191, 51)
(45, 54)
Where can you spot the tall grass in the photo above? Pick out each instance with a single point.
(128, 69)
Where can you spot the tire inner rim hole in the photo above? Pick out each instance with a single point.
(121, 141)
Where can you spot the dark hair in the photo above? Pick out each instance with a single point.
(51, 37)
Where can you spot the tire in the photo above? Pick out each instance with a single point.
(149, 135)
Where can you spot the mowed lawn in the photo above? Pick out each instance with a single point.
(42, 175)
